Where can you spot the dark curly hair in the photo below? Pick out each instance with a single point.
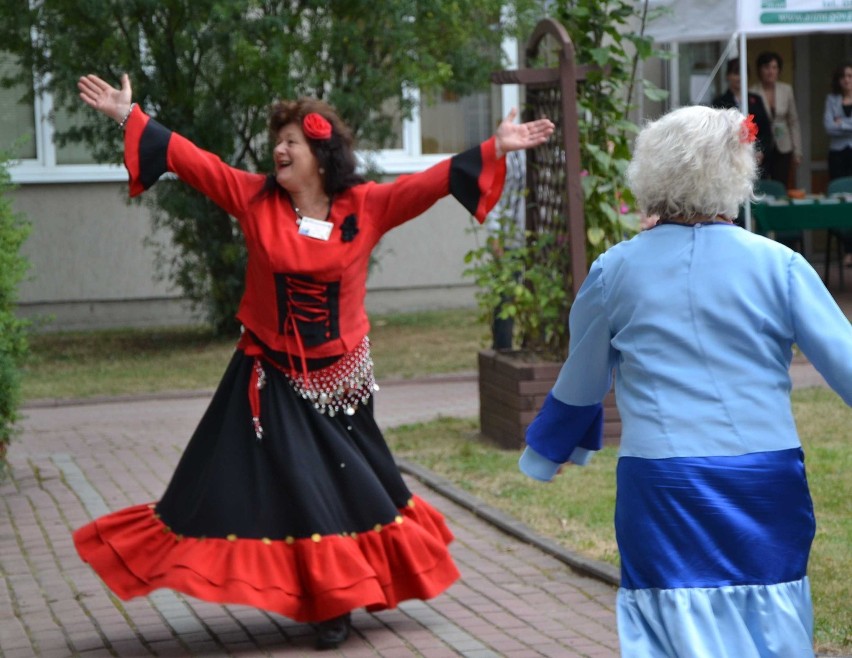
(335, 156)
(838, 73)
(767, 57)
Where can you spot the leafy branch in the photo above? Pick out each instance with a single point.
(533, 282)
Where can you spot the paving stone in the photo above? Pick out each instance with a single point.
(516, 598)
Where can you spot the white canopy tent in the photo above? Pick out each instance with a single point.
(684, 21)
(711, 20)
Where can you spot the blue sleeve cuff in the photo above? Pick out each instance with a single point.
(559, 428)
(536, 466)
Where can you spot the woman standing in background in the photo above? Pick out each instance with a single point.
(837, 120)
(781, 105)
(731, 98)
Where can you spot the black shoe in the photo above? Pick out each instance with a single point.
(332, 632)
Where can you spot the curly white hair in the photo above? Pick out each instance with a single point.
(693, 162)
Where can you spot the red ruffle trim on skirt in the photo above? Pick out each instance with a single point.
(304, 579)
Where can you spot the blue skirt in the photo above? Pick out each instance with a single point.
(714, 556)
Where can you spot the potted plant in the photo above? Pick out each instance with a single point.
(531, 283)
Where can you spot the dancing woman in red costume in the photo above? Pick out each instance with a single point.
(287, 497)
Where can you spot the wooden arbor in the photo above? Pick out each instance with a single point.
(555, 200)
(511, 391)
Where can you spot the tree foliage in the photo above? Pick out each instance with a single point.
(532, 284)
(13, 337)
(608, 36)
(208, 69)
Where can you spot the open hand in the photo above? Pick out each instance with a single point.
(511, 136)
(105, 98)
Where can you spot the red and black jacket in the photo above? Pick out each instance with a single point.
(305, 296)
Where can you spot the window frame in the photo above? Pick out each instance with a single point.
(44, 168)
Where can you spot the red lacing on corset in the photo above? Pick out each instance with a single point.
(307, 301)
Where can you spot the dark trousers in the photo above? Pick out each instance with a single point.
(840, 166)
(840, 163)
(776, 166)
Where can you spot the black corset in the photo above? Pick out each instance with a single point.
(308, 306)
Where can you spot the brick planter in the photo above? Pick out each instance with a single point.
(512, 390)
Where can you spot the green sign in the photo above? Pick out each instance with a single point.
(805, 17)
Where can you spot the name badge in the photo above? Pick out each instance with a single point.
(315, 228)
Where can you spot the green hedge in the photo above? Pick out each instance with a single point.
(13, 331)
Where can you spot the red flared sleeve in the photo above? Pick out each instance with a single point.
(475, 178)
(151, 150)
(132, 138)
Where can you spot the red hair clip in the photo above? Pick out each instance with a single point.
(316, 126)
(748, 130)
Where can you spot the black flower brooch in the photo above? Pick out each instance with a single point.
(349, 228)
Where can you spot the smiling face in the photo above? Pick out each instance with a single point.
(296, 166)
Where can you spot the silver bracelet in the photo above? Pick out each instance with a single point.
(123, 122)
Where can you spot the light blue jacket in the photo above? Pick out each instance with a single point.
(698, 324)
(840, 135)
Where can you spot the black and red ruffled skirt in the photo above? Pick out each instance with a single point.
(310, 521)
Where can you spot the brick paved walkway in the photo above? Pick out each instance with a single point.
(78, 461)
(75, 462)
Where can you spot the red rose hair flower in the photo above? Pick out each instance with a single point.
(316, 126)
(748, 130)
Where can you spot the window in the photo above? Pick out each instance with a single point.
(17, 119)
(441, 125)
(449, 124)
(444, 124)
(696, 62)
(70, 154)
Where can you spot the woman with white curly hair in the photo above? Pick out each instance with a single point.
(698, 318)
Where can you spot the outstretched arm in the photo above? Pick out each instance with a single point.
(106, 99)
(151, 149)
(511, 136)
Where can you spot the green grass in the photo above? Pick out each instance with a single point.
(126, 362)
(576, 509)
(825, 424)
(123, 362)
(428, 343)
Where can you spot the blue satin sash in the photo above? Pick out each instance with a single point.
(713, 521)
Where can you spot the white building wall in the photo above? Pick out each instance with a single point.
(420, 264)
(90, 266)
